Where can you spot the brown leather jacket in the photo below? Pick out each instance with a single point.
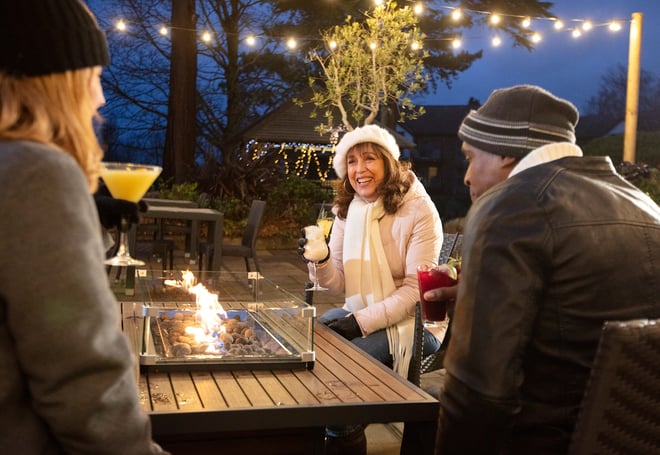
(548, 256)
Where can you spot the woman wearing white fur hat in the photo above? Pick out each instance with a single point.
(386, 225)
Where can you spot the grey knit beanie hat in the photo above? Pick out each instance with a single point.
(39, 37)
(514, 121)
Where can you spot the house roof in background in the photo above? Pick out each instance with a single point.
(592, 126)
(438, 121)
(292, 123)
(646, 121)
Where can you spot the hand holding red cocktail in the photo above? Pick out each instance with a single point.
(434, 277)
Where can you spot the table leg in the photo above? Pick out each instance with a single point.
(218, 237)
(194, 241)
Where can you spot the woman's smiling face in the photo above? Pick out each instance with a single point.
(366, 170)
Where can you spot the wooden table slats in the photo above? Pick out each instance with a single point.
(345, 386)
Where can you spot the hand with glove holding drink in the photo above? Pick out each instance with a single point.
(313, 247)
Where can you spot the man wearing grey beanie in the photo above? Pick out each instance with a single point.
(555, 244)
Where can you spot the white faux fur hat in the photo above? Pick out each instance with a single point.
(367, 133)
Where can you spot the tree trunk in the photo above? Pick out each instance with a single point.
(180, 138)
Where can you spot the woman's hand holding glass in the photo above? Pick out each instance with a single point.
(314, 249)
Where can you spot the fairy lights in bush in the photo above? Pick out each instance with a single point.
(297, 158)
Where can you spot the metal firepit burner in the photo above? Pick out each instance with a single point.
(270, 329)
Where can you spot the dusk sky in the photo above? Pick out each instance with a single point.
(569, 67)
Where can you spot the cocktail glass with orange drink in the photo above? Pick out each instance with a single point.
(130, 182)
(324, 223)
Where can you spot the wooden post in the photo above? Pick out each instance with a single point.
(632, 94)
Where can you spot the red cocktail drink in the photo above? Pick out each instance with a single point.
(433, 277)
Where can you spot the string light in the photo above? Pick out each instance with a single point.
(495, 19)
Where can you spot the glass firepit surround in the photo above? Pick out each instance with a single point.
(223, 321)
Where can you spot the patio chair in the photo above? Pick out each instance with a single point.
(248, 247)
(620, 410)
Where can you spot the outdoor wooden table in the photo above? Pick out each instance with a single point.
(169, 202)
(194, 216)
(275, 411)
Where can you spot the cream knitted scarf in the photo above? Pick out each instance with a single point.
(368, 276)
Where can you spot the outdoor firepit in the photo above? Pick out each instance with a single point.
(230, 321)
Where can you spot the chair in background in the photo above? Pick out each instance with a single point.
(620, 410)
(248, 247)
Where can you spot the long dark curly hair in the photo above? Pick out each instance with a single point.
(395, 185)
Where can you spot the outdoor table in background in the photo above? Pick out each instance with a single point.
(193, 216)
(169, 202)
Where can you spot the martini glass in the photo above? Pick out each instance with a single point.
(130, 182)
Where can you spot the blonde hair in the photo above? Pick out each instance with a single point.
(395, 185)
(56, 110)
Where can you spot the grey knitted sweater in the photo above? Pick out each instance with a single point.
(67, 376)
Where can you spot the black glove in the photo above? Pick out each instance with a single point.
(112, 210)
(346, 327)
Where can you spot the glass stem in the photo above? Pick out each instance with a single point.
(123, 239)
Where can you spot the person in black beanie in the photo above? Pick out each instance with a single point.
(554, 245)
(68, 374)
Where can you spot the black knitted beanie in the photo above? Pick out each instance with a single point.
(39, 37)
